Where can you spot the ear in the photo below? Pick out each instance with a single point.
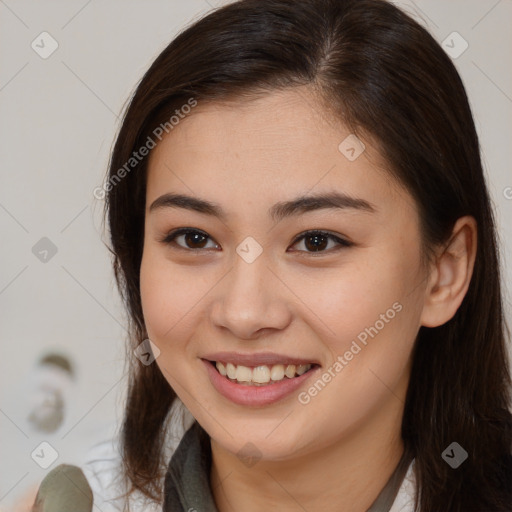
(451, 274)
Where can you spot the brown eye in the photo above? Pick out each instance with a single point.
(192, 238)
(195, 240)
(317, 241)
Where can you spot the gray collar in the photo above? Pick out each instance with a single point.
(187, 481)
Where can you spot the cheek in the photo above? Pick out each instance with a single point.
(370, 353)
(168, 296)
(364, 293)
(373, 314)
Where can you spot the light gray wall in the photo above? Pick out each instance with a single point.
(59, 116)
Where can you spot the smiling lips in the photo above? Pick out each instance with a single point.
(260, 375)
(276, 381)
(257, 379)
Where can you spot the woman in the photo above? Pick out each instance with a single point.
(301, 226)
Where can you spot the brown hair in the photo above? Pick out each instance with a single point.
(380, 72)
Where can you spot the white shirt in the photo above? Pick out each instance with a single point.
(103, 462)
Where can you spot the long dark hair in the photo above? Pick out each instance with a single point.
(381, 73)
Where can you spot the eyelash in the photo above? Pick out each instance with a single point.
(172, 235)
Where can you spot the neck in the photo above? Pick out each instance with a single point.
(346, 476)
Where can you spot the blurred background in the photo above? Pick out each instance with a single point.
(67, 69)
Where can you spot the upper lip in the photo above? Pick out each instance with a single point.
(256, 359)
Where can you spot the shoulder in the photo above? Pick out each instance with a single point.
(102, 465)
(404, 501)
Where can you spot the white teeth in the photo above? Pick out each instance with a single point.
(231, 370)
(260, 375)
(290, 371)
(277, 372)
(222, 369)
(243, 374)
(302, 368)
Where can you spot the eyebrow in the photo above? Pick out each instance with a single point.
(279, 211)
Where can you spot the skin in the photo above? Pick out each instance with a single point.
(337, 451)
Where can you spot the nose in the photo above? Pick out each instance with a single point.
(251, 300)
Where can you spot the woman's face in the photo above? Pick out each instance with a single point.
(244, 287)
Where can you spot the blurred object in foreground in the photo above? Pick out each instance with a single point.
(64, 489)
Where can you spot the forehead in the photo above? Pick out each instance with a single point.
(279, 145)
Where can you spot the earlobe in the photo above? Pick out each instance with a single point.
(451, 275)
